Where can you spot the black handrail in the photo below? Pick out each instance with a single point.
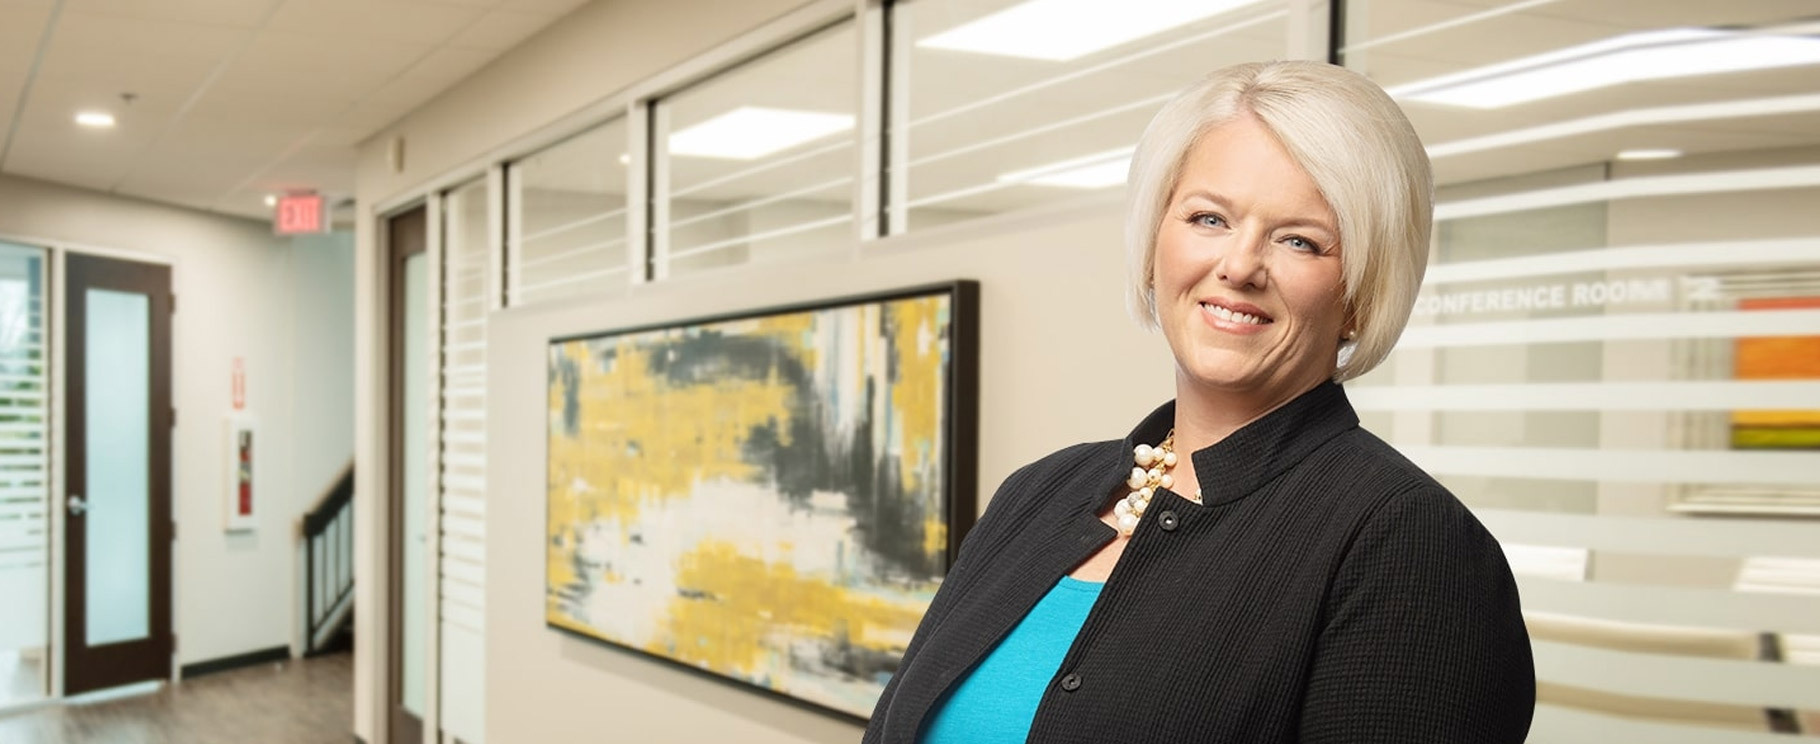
(335, 507)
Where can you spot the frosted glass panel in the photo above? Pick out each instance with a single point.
(118, 346)
(24, 566)
(1622, 378)
(416, 474)
(468, 273)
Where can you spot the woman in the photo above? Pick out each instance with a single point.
(1248, 565)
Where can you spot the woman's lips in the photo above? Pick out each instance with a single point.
(1236, 317)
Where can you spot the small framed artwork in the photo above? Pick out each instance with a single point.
(771, 497)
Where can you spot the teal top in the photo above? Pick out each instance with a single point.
(997, 701)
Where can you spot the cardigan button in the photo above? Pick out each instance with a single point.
(1071, 682)
(1169, 521)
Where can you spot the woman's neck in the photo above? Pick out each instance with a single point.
(1205, 415)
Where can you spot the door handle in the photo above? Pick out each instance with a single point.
(77, 506)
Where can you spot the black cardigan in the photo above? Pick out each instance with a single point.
(1328, 591)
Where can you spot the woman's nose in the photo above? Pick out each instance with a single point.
(1243, 262)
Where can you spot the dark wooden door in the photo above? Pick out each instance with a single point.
(117, 495)
(407, 238)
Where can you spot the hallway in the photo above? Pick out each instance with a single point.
(306, 701)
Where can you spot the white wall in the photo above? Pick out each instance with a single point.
(322, 321)
(322, 381)
(237, 297)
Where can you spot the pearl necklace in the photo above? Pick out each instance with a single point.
(1150, 473)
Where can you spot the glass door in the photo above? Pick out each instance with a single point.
(117, 500)
(410, 370)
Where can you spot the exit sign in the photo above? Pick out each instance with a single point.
(301, 214)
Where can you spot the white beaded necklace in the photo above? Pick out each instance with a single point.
(1151, 473)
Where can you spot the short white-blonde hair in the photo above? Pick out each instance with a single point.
(1356, 145)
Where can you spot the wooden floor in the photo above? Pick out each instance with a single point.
(297, 702)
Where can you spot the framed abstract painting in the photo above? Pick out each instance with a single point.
(771, 497)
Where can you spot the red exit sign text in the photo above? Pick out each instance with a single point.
(301, 214)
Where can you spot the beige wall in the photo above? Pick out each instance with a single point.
(582, 59)
(1060, 363)
(239, 295)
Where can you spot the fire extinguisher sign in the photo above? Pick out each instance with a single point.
(241, 500)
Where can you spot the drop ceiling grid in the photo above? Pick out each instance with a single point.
(234, 98)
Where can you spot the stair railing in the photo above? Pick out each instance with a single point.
(327, 532)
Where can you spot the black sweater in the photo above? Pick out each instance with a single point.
(1328, 591)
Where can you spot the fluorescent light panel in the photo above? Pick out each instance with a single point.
(95, 119)
(1061, 30)
(1662, 153)
(752, 132)
(1718, 110)
(1095, 171)
(1650, 55)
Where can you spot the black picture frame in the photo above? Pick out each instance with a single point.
(959, 453)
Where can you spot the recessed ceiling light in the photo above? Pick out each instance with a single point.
(1648, 154)
(271, 200)
(625, 158)
(1650, 55)
(95, 119)
(751, 132)
(1095, 171)
(1059, 30)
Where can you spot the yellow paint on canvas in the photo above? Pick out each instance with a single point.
(648, 441)
(794, 329)
(739, 601)
(935, 535)
(916, 393)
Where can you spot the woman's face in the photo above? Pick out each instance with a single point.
(1247, 269)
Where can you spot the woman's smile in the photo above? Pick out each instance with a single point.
(1235, 317)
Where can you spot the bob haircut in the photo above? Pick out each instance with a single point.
(1357, 147)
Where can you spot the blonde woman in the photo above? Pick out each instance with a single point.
(1247, 565)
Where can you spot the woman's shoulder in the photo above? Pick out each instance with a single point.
(1402, 503)
(1055, 473)
(1071, 458)
(1372, 464)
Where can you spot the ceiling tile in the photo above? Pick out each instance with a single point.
(48, 144)
(480, 4)
(434, 74)
(326, 168)
(148, 58)
(501, 30)
(317, 66)
(93, 160)
(273, 107)
(372, 115)
(189, 170)
(543, 7)
(55, 101)
(21, 30)
(9, 99)
(410, 23)
(242, 14)
(344, 135)
(199, 137)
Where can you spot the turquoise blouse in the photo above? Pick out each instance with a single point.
(997, 701)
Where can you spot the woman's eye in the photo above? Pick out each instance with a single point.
(1302, 244)
(1205, 219)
